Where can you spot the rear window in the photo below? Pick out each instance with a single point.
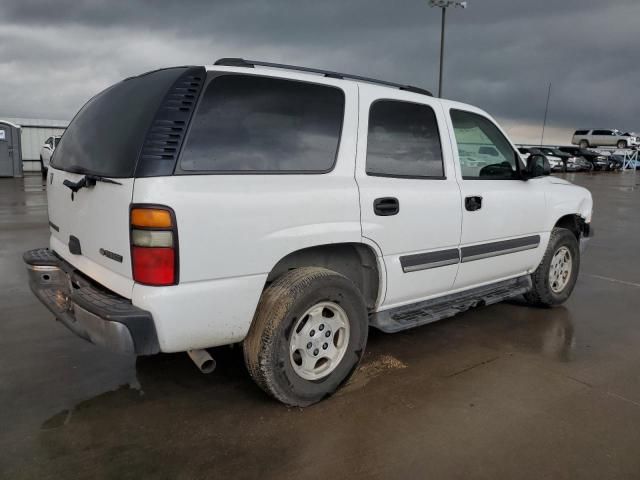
(247, 123)
(403, 141)
(106, 135)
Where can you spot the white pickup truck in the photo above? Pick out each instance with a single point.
(290, 209)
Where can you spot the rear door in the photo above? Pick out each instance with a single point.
(409, 198)
(601, 137)
(90, 227)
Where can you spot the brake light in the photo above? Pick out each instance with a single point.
(154, 245)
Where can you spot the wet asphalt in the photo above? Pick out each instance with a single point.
(505, 391)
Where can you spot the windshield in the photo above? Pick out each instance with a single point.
(106, 136)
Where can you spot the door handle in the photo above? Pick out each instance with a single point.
(473, 203)
(386, 206)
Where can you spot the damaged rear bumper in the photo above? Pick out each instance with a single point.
(95, 314)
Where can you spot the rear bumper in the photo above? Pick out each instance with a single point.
(99, 316)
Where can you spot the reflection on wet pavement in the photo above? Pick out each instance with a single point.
(505, 391)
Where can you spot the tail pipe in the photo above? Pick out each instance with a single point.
(203, 360)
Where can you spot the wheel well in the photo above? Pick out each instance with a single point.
(355, 261)
(571, 222)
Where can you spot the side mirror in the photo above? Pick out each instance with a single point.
(537, 166)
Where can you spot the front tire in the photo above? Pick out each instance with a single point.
(308, 335)
(556, 276)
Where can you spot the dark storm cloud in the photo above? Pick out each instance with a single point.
(501, 54)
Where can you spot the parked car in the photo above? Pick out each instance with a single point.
(46, 151)
(563, 156)
(579, 164)
(556, 161)
(604, 138)
(297, 209)
(614, 161)
(596, 159)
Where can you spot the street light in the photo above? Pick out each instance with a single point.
(444, 4)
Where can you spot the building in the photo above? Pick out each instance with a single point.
(34, 132)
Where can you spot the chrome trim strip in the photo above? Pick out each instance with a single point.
(494, 249)
(424, 261)
(480, 256)
(426, 266)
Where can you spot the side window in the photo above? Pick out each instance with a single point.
(581, 132)
(48, 142)
(601, 132)
(483, 150)
(249, 124)
(403, 141)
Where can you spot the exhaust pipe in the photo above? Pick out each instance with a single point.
(203, 360)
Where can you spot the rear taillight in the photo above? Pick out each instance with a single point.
(154, 245)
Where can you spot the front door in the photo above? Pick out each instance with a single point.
(502, 216)
(409, 198)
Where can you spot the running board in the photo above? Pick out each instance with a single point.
(416, 314)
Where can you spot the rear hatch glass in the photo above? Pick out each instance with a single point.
(106, 135)
(90, 228)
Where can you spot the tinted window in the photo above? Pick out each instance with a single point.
(106, 136)
(403, 141)
(601, 132)
(476, 136)
(581, 132)
(249, 123)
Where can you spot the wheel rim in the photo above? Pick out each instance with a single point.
(319, 340)
(560, 271)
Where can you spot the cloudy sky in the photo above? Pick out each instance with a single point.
(501, 54)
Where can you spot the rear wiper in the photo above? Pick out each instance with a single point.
(87, 181)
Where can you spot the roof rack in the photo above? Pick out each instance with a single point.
(241, 62)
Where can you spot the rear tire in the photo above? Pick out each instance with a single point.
(584, 144)
(556, 276)
(293, 350)
(622, 144)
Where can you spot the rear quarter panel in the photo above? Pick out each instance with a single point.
(233, 229)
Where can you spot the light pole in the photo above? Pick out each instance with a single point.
(444, 4)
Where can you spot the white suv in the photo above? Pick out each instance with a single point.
(290, 209)
(604, 138)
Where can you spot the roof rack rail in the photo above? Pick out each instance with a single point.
(241, 62)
